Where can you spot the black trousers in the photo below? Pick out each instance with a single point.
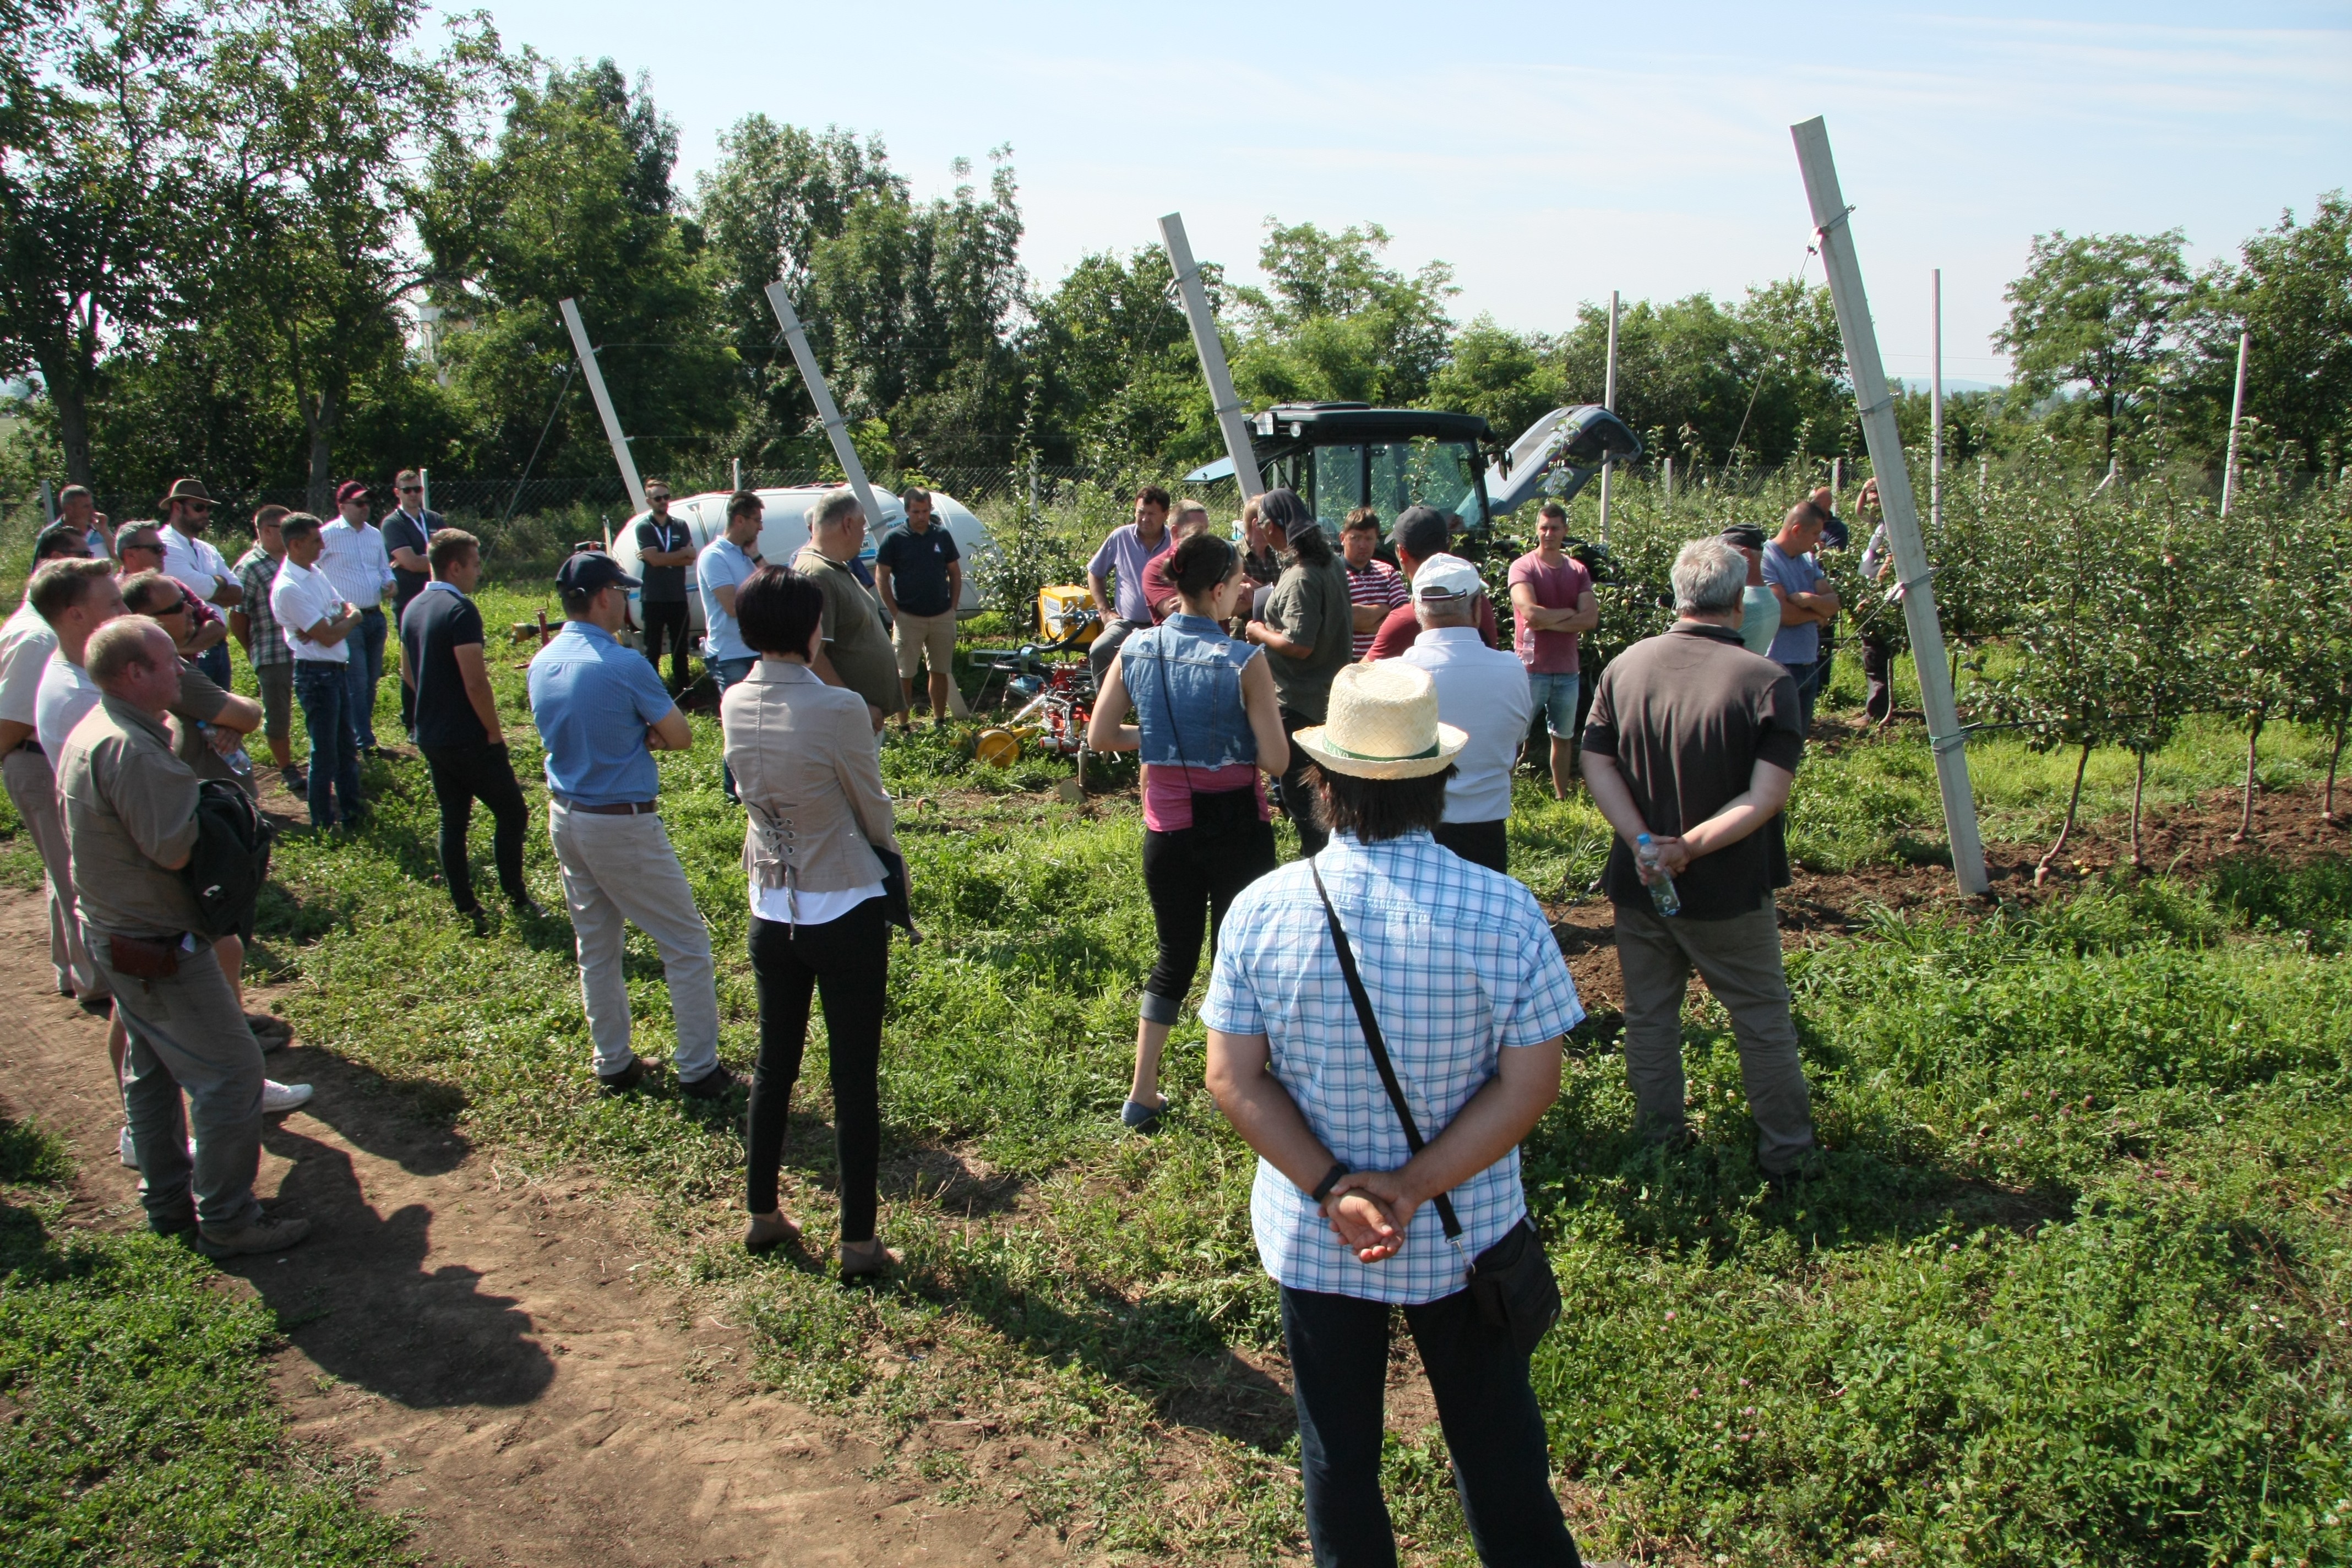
(462, 776)
(847, 961)
(407, 692)
(1191, 876)
(1297, 792)
(1877, 668)
(666, 621)
(1480, 843)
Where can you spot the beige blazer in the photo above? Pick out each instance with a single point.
(804, 761)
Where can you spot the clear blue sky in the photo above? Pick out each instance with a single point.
(1549, 152)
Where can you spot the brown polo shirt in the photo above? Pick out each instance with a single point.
(129, 803)
(1687, 716)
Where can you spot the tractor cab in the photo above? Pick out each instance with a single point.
(1342, 456)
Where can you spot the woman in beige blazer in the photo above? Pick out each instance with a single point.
(803, 754)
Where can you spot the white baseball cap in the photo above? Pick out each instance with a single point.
(1446, 577)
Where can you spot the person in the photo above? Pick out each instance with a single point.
(77, 509)
(139, 547)
(1760, 607)
(804, 754)
(188, 556)
(665, 553)
(1125, 552)
(602, 712)
(918, 576)
(1481, 692)
(1208, 724)
(264, 649)
(1807, 601)
(856, 652)
(1694, 741)
(408, 530)
(208, 729)
(1553, 605)
(1834, 536)
(1472, 996)
(315, 624)
(1877, 633)
(27, 642)
(1374, 587)
(351, 553)
(130, 826)
(1309, 627)
(445, 670)
(1259, 562)
(1159, 592)
(1420, 531)
(723, 567)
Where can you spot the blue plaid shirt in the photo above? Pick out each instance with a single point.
(1460, 964)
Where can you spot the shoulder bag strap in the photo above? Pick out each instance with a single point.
(1371, 1026)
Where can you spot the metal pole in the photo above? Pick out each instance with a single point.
(2237, 410)
(1936, 401)
(738, 474)
(1670, 481)
(1835, 238)
(835, 428)
(1212, 350)
(1609, 401)
(425, 481)
(1837, 480)
(570, 309)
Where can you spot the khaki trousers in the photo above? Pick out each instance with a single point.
(33, 789)
(1739, 959)
(189, 1036)
(622, 868)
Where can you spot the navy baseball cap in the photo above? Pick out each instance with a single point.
(591, 570)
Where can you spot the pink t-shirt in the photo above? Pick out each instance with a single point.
(1168, 791)
(1560, 587)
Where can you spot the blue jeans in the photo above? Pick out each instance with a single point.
(1808, 677)
(1502, 1470)
(726, 672)
(324, 691)
(366, 668)
(213, 662)
(1555, 700)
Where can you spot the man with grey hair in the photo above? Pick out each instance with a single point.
(131, 827)
(856, 652)
(1693, 743)
(1481, 692)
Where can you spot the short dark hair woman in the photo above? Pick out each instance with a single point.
(1208, 725)
(1307, 622)
(802, 756)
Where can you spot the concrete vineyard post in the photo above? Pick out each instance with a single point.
(1609, 401)
(1834, 235)
(1212, 350)
(836, 429)
(1935, 401)
(2237, 412)
(579, 346)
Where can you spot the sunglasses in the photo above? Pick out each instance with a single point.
(149, 549)
(179, 608)
(200, 508)
(412, 489)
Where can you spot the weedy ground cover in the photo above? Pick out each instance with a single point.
(2073, 1287)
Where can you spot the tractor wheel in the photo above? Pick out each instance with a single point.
(998, 748)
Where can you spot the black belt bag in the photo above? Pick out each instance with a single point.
(1512, 1280)
(143, 960)
(1224, 812)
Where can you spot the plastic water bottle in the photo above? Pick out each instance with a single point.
(239, 763)
(1655, 876)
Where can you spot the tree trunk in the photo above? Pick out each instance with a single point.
(2072, 801)
(63, 379)
(2246, 817)
(2327, 801)
(320, 415)
(2139, 786)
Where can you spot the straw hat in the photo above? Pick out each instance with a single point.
(1382, 724)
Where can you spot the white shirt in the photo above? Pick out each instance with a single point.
(789, 906)
(1483, 692)
(300, 597)
(25, 644)
(194, 564)
(67, 694)
(356, 562)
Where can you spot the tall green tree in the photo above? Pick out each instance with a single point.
(1117, 377)
(2102, 311)
(1337, 324)
(2292, 293)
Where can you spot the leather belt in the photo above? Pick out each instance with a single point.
(29, 744)
(626, 808)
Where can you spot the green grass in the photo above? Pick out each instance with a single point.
(135, 1421)
(2072, 1288)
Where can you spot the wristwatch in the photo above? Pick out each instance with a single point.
(1331, 1179)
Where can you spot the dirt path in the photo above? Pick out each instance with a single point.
(486, 1335)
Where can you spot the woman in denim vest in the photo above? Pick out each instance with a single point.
(1208, 727)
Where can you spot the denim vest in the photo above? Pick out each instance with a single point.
(1184, 676)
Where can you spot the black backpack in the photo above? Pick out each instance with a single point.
(231, 857)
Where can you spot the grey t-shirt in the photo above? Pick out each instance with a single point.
(854, 639)
(1311, 605)
(1793, 575)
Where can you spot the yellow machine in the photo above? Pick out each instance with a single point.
(1060, 611)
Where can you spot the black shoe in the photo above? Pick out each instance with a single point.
(180, 1222)
(710, 1085)
(526, 907)
(627, 1078)
(477, 919)
(97, 1006)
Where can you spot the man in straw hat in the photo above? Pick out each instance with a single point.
(199, 566)
(1694, 741)
(1466, 983)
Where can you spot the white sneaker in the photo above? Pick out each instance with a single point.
(281, 1096)
(123, 1146)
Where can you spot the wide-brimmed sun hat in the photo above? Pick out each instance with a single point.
(1382, 724)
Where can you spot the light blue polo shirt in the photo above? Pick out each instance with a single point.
(592, 699)
(722, 564)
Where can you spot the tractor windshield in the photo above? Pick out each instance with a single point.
(1423, 472)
